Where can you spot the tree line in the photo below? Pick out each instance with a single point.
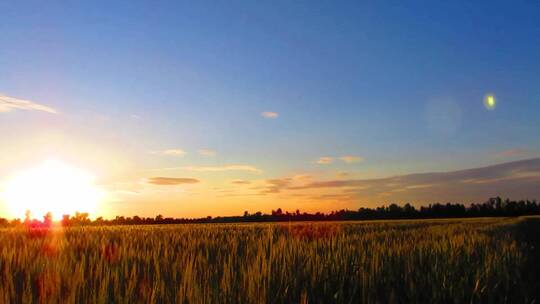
(494, 207)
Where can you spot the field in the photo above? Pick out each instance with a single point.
(456, 261)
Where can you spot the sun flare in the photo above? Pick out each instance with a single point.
(490, 102)
(51, 187)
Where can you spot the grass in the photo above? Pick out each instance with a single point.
(450, 261)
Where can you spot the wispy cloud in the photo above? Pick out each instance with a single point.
(240, 182)
(343, 174)
(8, 104)
(171, 181)
(511, 153)
(270, 115)
(170, 152)
(246, 168)
(127, 192)
(351, 159)
(518, 179)
(207, 153)
(276, 185)
(325, 160)
(302, 177)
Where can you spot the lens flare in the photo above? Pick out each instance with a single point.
(490, 102)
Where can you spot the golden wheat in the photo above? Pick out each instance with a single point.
(454, 261)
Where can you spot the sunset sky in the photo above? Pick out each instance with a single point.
(211, 108)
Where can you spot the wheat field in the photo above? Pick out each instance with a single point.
(444, 261)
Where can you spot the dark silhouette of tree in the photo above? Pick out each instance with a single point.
(493, 207)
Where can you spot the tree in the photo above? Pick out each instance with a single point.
(27, 217)
(66, 221)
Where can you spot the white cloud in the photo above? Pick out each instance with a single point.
(325, 160)
(270, 115)
(8, 104)
(246, 168)
(171, 152)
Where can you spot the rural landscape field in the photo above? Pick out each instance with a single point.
(431, 261)
(269, 151)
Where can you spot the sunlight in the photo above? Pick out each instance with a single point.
(51, 187)
(489, 102)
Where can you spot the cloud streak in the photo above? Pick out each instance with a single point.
(325, 160)
(171, 181)
(518, 179)
(8, 104)
(171, 152)
(270, 115)
(276, 185)
(246, 168)
(349, 159)
(240, 182)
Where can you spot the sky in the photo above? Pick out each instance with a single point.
(215, 108)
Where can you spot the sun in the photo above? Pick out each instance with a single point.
(51, 187)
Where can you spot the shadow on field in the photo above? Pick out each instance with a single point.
(528, 234)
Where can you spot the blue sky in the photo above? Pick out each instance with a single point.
(400, 85)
